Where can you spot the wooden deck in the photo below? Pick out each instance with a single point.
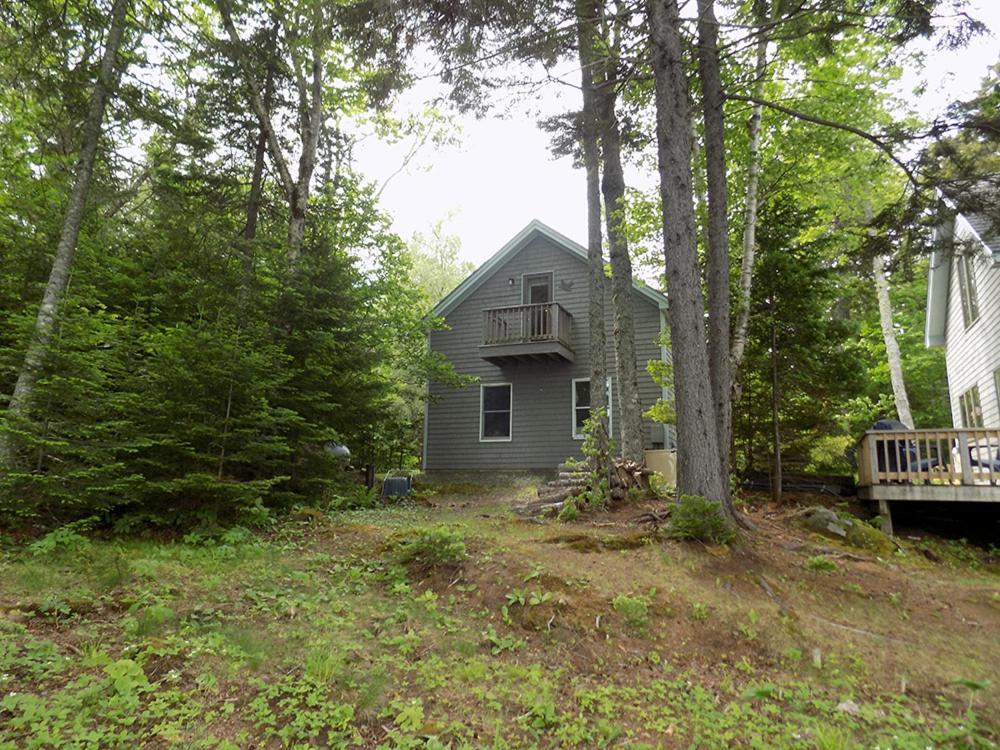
(538, 332)
(928, 466)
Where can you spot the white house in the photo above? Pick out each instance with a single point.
(963, 315)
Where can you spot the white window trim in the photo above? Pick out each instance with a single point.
(967, 410)
(572, 408)
(510, 429)
(967, 289)
(552, 284)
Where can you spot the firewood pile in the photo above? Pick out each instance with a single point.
(571, 481)
(626, 475)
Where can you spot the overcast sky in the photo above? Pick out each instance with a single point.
(502, 174)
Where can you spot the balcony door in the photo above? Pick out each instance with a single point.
(536, 289)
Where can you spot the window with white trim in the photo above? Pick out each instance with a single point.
(581, 405)
(972, 410)
(996, 388)
(495, 410)
(967, 288)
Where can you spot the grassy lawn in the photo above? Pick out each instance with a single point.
(588, 634)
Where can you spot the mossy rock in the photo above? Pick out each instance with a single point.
(860, 534)
(847, 529)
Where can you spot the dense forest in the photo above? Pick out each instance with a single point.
(200, 296)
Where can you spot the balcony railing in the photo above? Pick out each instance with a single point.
(527, 324)
(929, 458)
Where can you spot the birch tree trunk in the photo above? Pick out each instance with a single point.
(750, 210)
(613, 189)
(586, 29)
(718, 230)
(48, 311)
(891, 345)
(310, 109)
(700, 470)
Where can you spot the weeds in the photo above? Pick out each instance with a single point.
(430, 546)
(821, 564)
(633, 609)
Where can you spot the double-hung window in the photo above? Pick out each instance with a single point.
(581, 405)
(495, 411)
(967, 288)
(972, 410)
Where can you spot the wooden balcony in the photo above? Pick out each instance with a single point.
(524, 333)
(929, 466)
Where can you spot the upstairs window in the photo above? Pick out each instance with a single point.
(967, 289)
(972, 410)
(495, 411)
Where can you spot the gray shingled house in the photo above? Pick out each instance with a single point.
(519, 324)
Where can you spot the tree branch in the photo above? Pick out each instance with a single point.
(258, 105)
(832, 124)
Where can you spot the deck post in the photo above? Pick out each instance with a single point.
(875, 477)
(886, 517)
(963, 456)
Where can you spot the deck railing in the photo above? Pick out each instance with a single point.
(522, 324)
(953, 457)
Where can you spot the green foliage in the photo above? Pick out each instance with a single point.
(698, 518)
(299, 710)
(597, 448)
(430, 546)
(634, 609)
(821, 564)
(66, 539)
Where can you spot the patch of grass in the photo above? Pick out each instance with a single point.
(821, 564)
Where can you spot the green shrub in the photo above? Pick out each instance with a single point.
(66, 538)
(429, 545)
(569, 510)
(634, 609)
(699, 518)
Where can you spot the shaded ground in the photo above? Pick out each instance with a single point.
(595, 633)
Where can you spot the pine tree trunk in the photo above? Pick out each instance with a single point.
(613, 188)
(718, 231)
(700, 470)
(586, 23)
(891, 345)
(107, 81)
(750, 210)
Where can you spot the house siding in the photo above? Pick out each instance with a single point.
(541, 423)
(972, 355)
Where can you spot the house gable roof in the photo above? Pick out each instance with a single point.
(522, 239)
(974, 227)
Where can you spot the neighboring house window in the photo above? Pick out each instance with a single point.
(967, 289)
(972, 411)
(996, 388)
(495, 405)
(581, 405)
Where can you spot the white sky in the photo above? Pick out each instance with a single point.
(502, 174)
